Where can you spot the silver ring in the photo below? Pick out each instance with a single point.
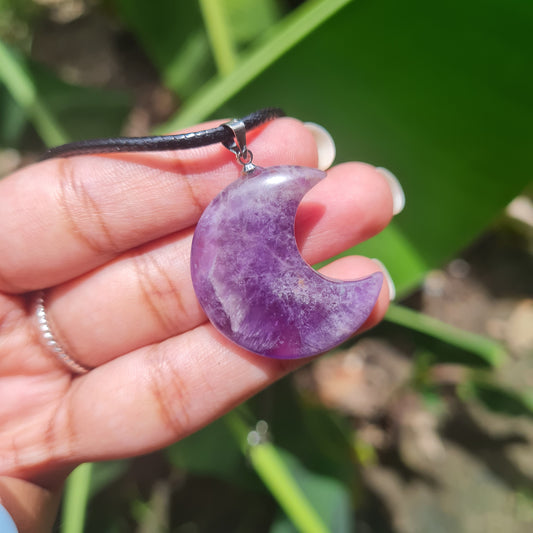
(48, 340)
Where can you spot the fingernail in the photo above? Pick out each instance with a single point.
(398, 196)
(324, 143)
(388, 278)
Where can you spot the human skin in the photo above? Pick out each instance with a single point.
(108, 237)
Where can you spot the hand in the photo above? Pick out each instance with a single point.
(108, 238)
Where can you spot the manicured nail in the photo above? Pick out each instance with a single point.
(398, 196)
(388, 279)
(324, 143)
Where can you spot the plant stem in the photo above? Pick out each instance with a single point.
(219, 35)
(75, 499)
(489, 350)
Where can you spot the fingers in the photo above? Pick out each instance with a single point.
(353, 204)
(151, 397)
(146, 296)
(161, 393)
(63, 217)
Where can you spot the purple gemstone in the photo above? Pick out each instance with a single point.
(253, 283)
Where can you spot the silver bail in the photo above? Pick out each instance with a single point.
(238, 145)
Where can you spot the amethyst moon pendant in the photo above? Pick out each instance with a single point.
(251, 280)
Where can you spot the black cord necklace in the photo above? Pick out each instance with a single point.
(182, 141)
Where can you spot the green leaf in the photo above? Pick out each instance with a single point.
(497, 398)
(418, 94)
(438, 93)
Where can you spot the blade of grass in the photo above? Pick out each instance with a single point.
(75, 499)
(219, 34)
(286, 34)
(275, 474)
(23, 91)
(489, 350)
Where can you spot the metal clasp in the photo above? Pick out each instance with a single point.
(238, 145)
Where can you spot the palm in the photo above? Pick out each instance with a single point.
(109, 238)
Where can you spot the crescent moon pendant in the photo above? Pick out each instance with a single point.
(251, 280)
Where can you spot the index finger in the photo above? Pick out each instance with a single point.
(63, 217)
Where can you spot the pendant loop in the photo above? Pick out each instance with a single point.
(238, 145)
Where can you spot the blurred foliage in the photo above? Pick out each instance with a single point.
(440, 93)
(184, 57)
(16, 21)
(59, 111)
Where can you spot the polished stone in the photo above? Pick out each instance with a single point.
(251, 280)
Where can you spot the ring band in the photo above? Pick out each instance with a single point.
(49, 341)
